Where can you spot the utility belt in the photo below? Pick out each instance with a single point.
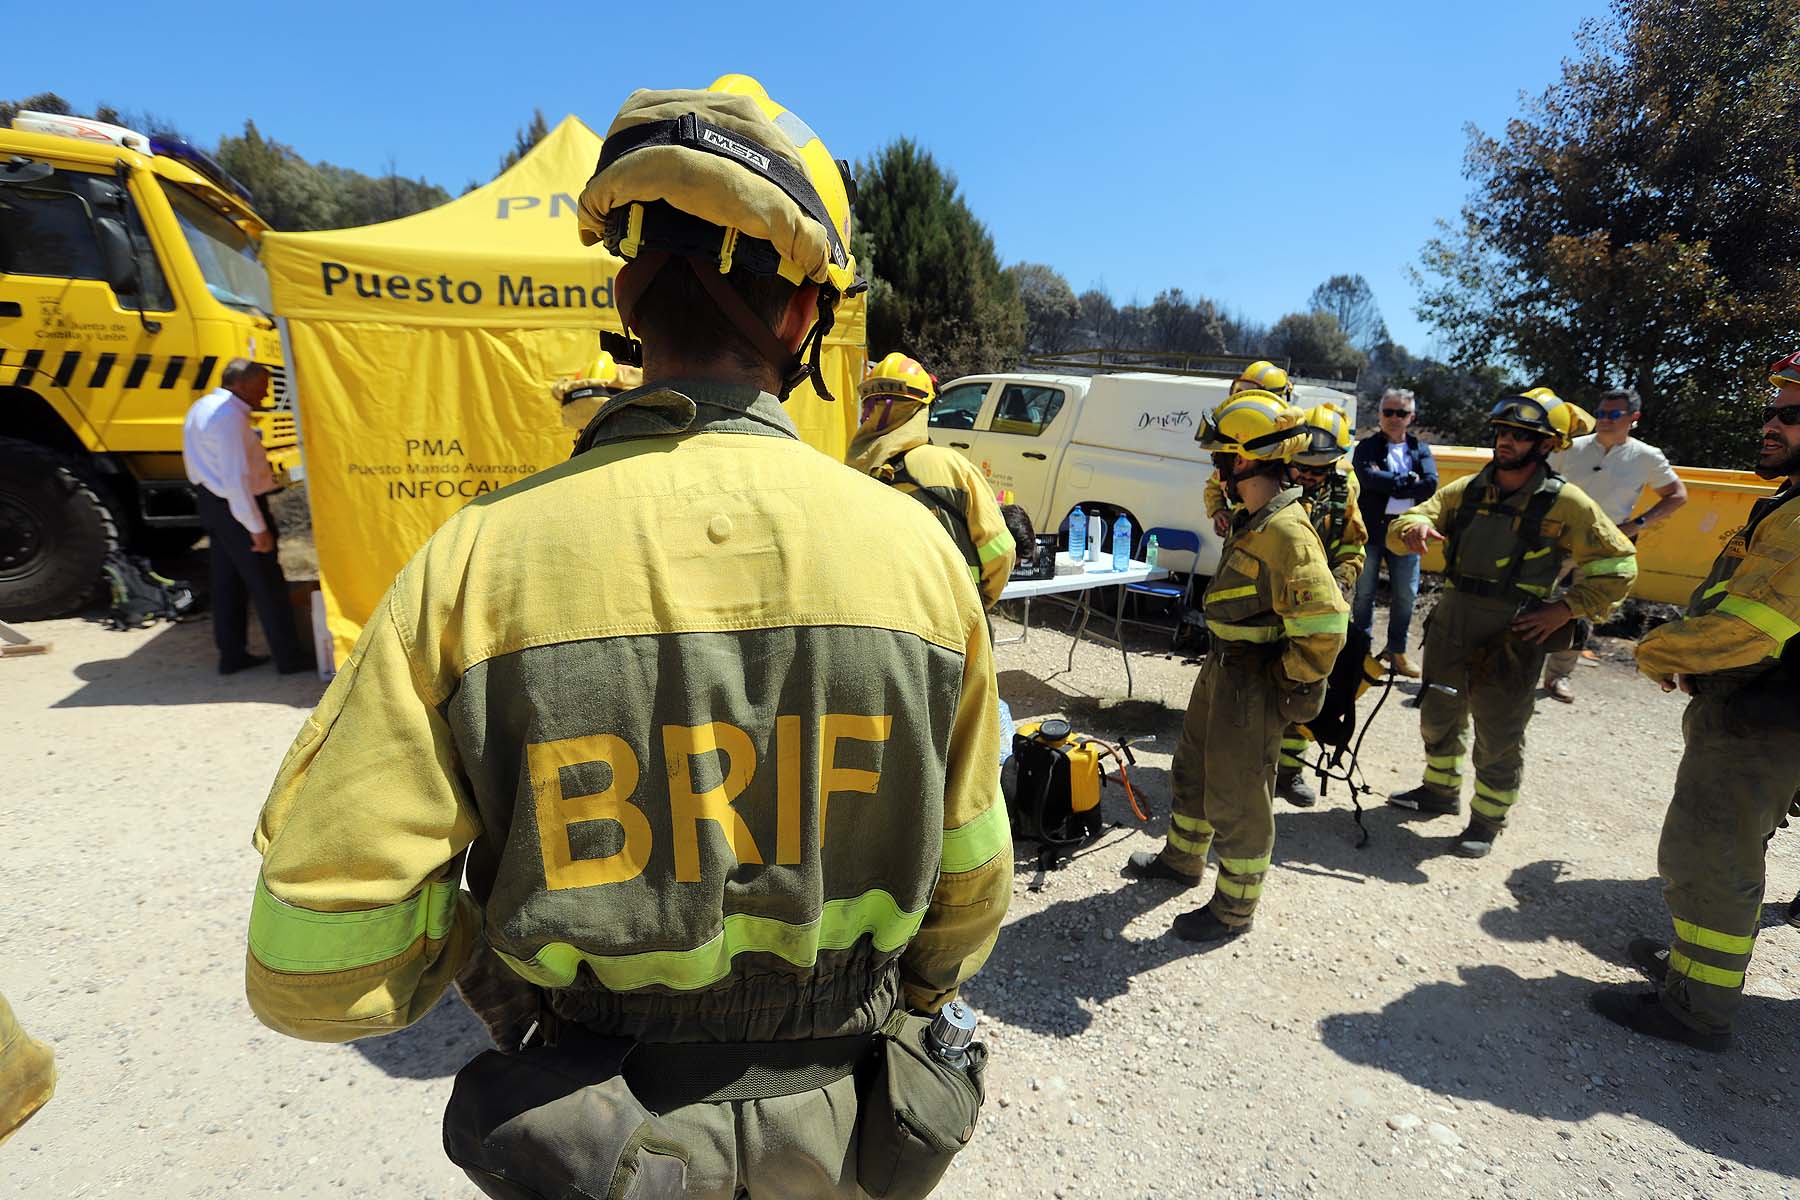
(1572, 636)
(583, 1116)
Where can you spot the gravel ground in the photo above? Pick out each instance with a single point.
(1400, 1021)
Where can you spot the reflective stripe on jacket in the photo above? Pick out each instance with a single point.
(721, 766)
(1490, 550)
(1746, 611)
(1274, 585)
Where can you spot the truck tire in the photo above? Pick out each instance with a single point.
(55, 531)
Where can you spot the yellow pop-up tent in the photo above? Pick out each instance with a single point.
(424, 350)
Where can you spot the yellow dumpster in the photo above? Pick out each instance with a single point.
(1673, 555)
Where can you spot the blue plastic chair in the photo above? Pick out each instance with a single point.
(1180, 541)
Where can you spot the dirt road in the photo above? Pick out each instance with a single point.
(1400, 1021)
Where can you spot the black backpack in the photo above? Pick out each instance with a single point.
(141, 597)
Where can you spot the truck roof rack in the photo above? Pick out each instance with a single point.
(1104, 360)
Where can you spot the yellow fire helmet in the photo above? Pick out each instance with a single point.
(900, 377)
(1330, 436)
(725, 178)
(1543, 412)
(1263, 376)
(1257, 425)
(896, 379)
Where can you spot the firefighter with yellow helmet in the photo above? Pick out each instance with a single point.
(893, 443)
(619, 697)
(1737, 653)
(1329, 492)
(1261, 375)
(1276, 619)
(1506, 530)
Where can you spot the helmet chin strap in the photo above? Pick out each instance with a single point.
(791, 366)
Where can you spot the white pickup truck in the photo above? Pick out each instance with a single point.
(1111, 443)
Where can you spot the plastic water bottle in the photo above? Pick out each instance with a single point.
(1078, 534)
(1150, 551)
(950, 1032)
(1096, 531)
(1121, 543)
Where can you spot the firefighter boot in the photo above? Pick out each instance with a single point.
(1643, 1012)
(1649, 956)
(1475, 841)
(1292, 787)
(1201, 925)
(1144, 865)
(1426, 802)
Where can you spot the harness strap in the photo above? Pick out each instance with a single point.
(942, 504)
(1528, 529)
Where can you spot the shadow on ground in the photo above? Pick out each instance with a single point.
(434, 1047)
(1531, 1046)
(1040, 971)
(178, 665)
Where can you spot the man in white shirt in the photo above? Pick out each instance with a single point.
(1614, 468)
(231, 478)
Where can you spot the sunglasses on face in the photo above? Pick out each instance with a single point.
(1787, 414)
(1612, 414)
(1395, 412)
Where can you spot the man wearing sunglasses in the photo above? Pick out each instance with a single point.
(893, 443)
(1396, 471)
(1737, 653)
(1614, 468)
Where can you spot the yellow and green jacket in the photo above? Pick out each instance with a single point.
(1275, 585)
(714, 764)
(1335, 514)
(1746, 612)
(951, 486)
(1510, 547)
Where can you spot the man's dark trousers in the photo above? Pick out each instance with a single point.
(241, 576)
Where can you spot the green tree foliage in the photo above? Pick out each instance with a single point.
(292, 193)
(938, 292)
(524, 139)
(1351, 300)
(1052, 313)
(1639, 223)
(1453, 402)
(44, 102)
(1315, 345)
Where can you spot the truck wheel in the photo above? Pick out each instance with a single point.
(54, 533)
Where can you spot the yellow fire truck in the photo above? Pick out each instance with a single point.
(128, 279)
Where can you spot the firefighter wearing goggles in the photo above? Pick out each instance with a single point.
(1261, 375)
(1329, 493)
(1276, 619)
(1737, 653)
(893, 443)
(1505, 532)
(720, 773)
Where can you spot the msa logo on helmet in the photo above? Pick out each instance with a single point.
(735, 149)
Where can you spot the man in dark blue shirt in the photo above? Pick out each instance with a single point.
(1396, 471)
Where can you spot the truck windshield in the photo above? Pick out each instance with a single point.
(226, 255)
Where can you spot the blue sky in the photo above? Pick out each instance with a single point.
(1244, 152)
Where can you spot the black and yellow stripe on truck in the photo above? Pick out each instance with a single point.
(721, 766)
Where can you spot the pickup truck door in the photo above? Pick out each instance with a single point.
(956, 414)
(1021, 443)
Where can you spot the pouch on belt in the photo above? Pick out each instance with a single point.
(918, 1112)
(556, 1121)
